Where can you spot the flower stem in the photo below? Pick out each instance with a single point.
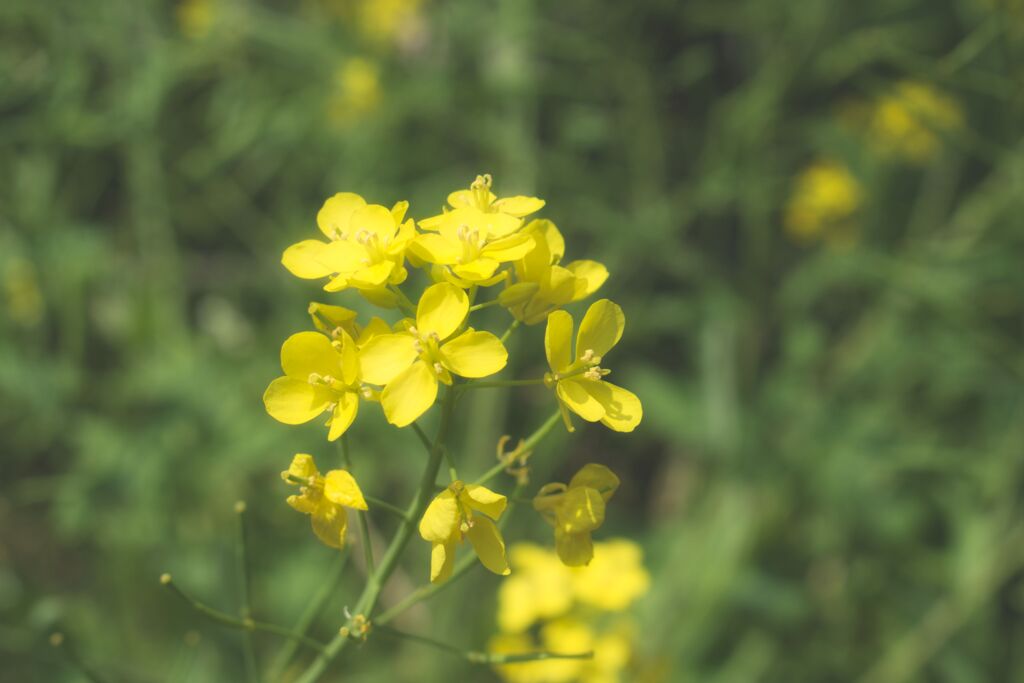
(403, 301)
(486, 304)
(242, 561)
(480, 657)
(530, 443)
(503, 383)
(364, 525)
(452, 473)
(508, 333)
(427, 591)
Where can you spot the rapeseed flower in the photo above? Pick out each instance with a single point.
(411, 363)
(356, 91)
(614, 579)
(824, 200)
(460, 512)
(910, 120)
(539, 588)
(320, 375)
(324, 498)
(578, 378)
(576, 510)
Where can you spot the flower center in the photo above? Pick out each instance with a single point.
(481, 189)
(471, 243)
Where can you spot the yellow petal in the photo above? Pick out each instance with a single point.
(601, 328)
(440, 521)
(476, 270)
(484, 500)
(582, 509)
(384, 356)
(597, 477)
(382, 297)
(488, 544)
(474, 354)
(442, 561)
(399, 210)
(349, 358)
(344, 414)
(373, 276)
(303, 466)
(409, 395)
(441, 310)
(375, 327)
(373, 219)
(305, 259)
(434, 248)
(510, 248)
(329, 524)
(333, 217)
(558, 341)
(622, 408)
(548, 232)
(406, 233)
(343, 256)
(489, 225)
(304, 503)
(579, 401)
(294, 402)
(590, 275)
(340, 487)
(519, 205)
(306, 353)
(574, 550)
(518, 294)
(327, 318)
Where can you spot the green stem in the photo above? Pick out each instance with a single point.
(403, 301)
(59, 640)
(427, 591)
(226, 619)
(368, 599)
(364, 525)
(530, 443)
(508, 333)
(486, 304)
(242, 561)
(313, 608)
(384, 505)
(480, 657)
(452, 473)
(502, 383)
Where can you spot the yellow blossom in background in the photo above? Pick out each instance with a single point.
(460, 512)
(576, 510)
(385, 20)
(195, 17)
(614, 579)
(324, 498)
(320, 375)
(578, 378)
(540, 587)
(910, 120)
(541, 284)
(411, 363)
(22, 298)
(365, 251)
(355, 91)
(823, 201)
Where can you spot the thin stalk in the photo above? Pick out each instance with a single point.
(309, 614)
(371, 593)
(242, 562)
(384, 505)
(427, 591)
(480, 657)
(530, 443)
(486, 304)
(364, 525)
(503, 383)
(508, 333)
(403, 301)
(226, 619)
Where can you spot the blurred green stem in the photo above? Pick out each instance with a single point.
(527, 445)
(364, 525)
(508, 332)
(59, 640)
(242, 561)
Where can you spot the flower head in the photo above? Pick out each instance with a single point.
(461, 512)
(320, 375)
(909, 121)
(825, 198)
(578, 378)
(323, 497)
(577, 510)
(412, 362)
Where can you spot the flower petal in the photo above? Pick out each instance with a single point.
(399, 210)
(327, 318)
(515, 246)
(579, 401)
(482, 499)
(590, 275)
(581, 510)
(623, 410)
(441, 310)
(374, 219)
(344, 414)
(386, 355)
(377, 326)
(558, 341)
(440, 520)
(409, 395)
(302, 466)
(474, 354)
(488, 544)
(476, 270)
(601, 328)
(294, 402)
(597, 477)
(349, 353)
(519, 205)
(343, 256)
(306, 353)
(340, 487)
(373, 276)
(442, 561)
(305, 259)
(574, 550)
(333, 217)
(329, 524)
(434, 248)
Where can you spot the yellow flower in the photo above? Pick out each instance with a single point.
(333, 320)
(24, 300)
(578, 378)
(356, 91)
(324, 498)
(195, 17)
(540, 587)
(319, 375)
(476, 236)
(410, 363)
(542, 285)
(824, 199)
(909, 121)
(382, 20)
(614, 579)
(366, 248)
(564, 636)
(459, 512)
(577, 510)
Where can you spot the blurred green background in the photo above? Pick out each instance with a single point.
(812, 213)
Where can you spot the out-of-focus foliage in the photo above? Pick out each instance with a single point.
(827, 482)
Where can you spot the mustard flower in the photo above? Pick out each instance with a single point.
(320, 375)
(825, 198)
(324, 498)
(577, 510)
(460, 512)
(542, 285)
(410, 363)
(366, 247)
(614, 579)
(333, 320)
(910, 120)
(539, 588)
(578, 378)
(480, 198)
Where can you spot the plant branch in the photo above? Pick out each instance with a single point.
(242, 562)
(364, 525)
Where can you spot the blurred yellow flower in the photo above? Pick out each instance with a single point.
(355, 92)
(910, 120)
(577, 510)
(195, 17)
(384, 20)
(324, 498)
(578, 378)
(540, 587)
(614, 579)
(612, 651)
(459, 512)
(23, 299)
(429, 350)
(542, 285)
(320, 375)
(823, 201)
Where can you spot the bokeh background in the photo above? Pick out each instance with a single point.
(812, 213)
